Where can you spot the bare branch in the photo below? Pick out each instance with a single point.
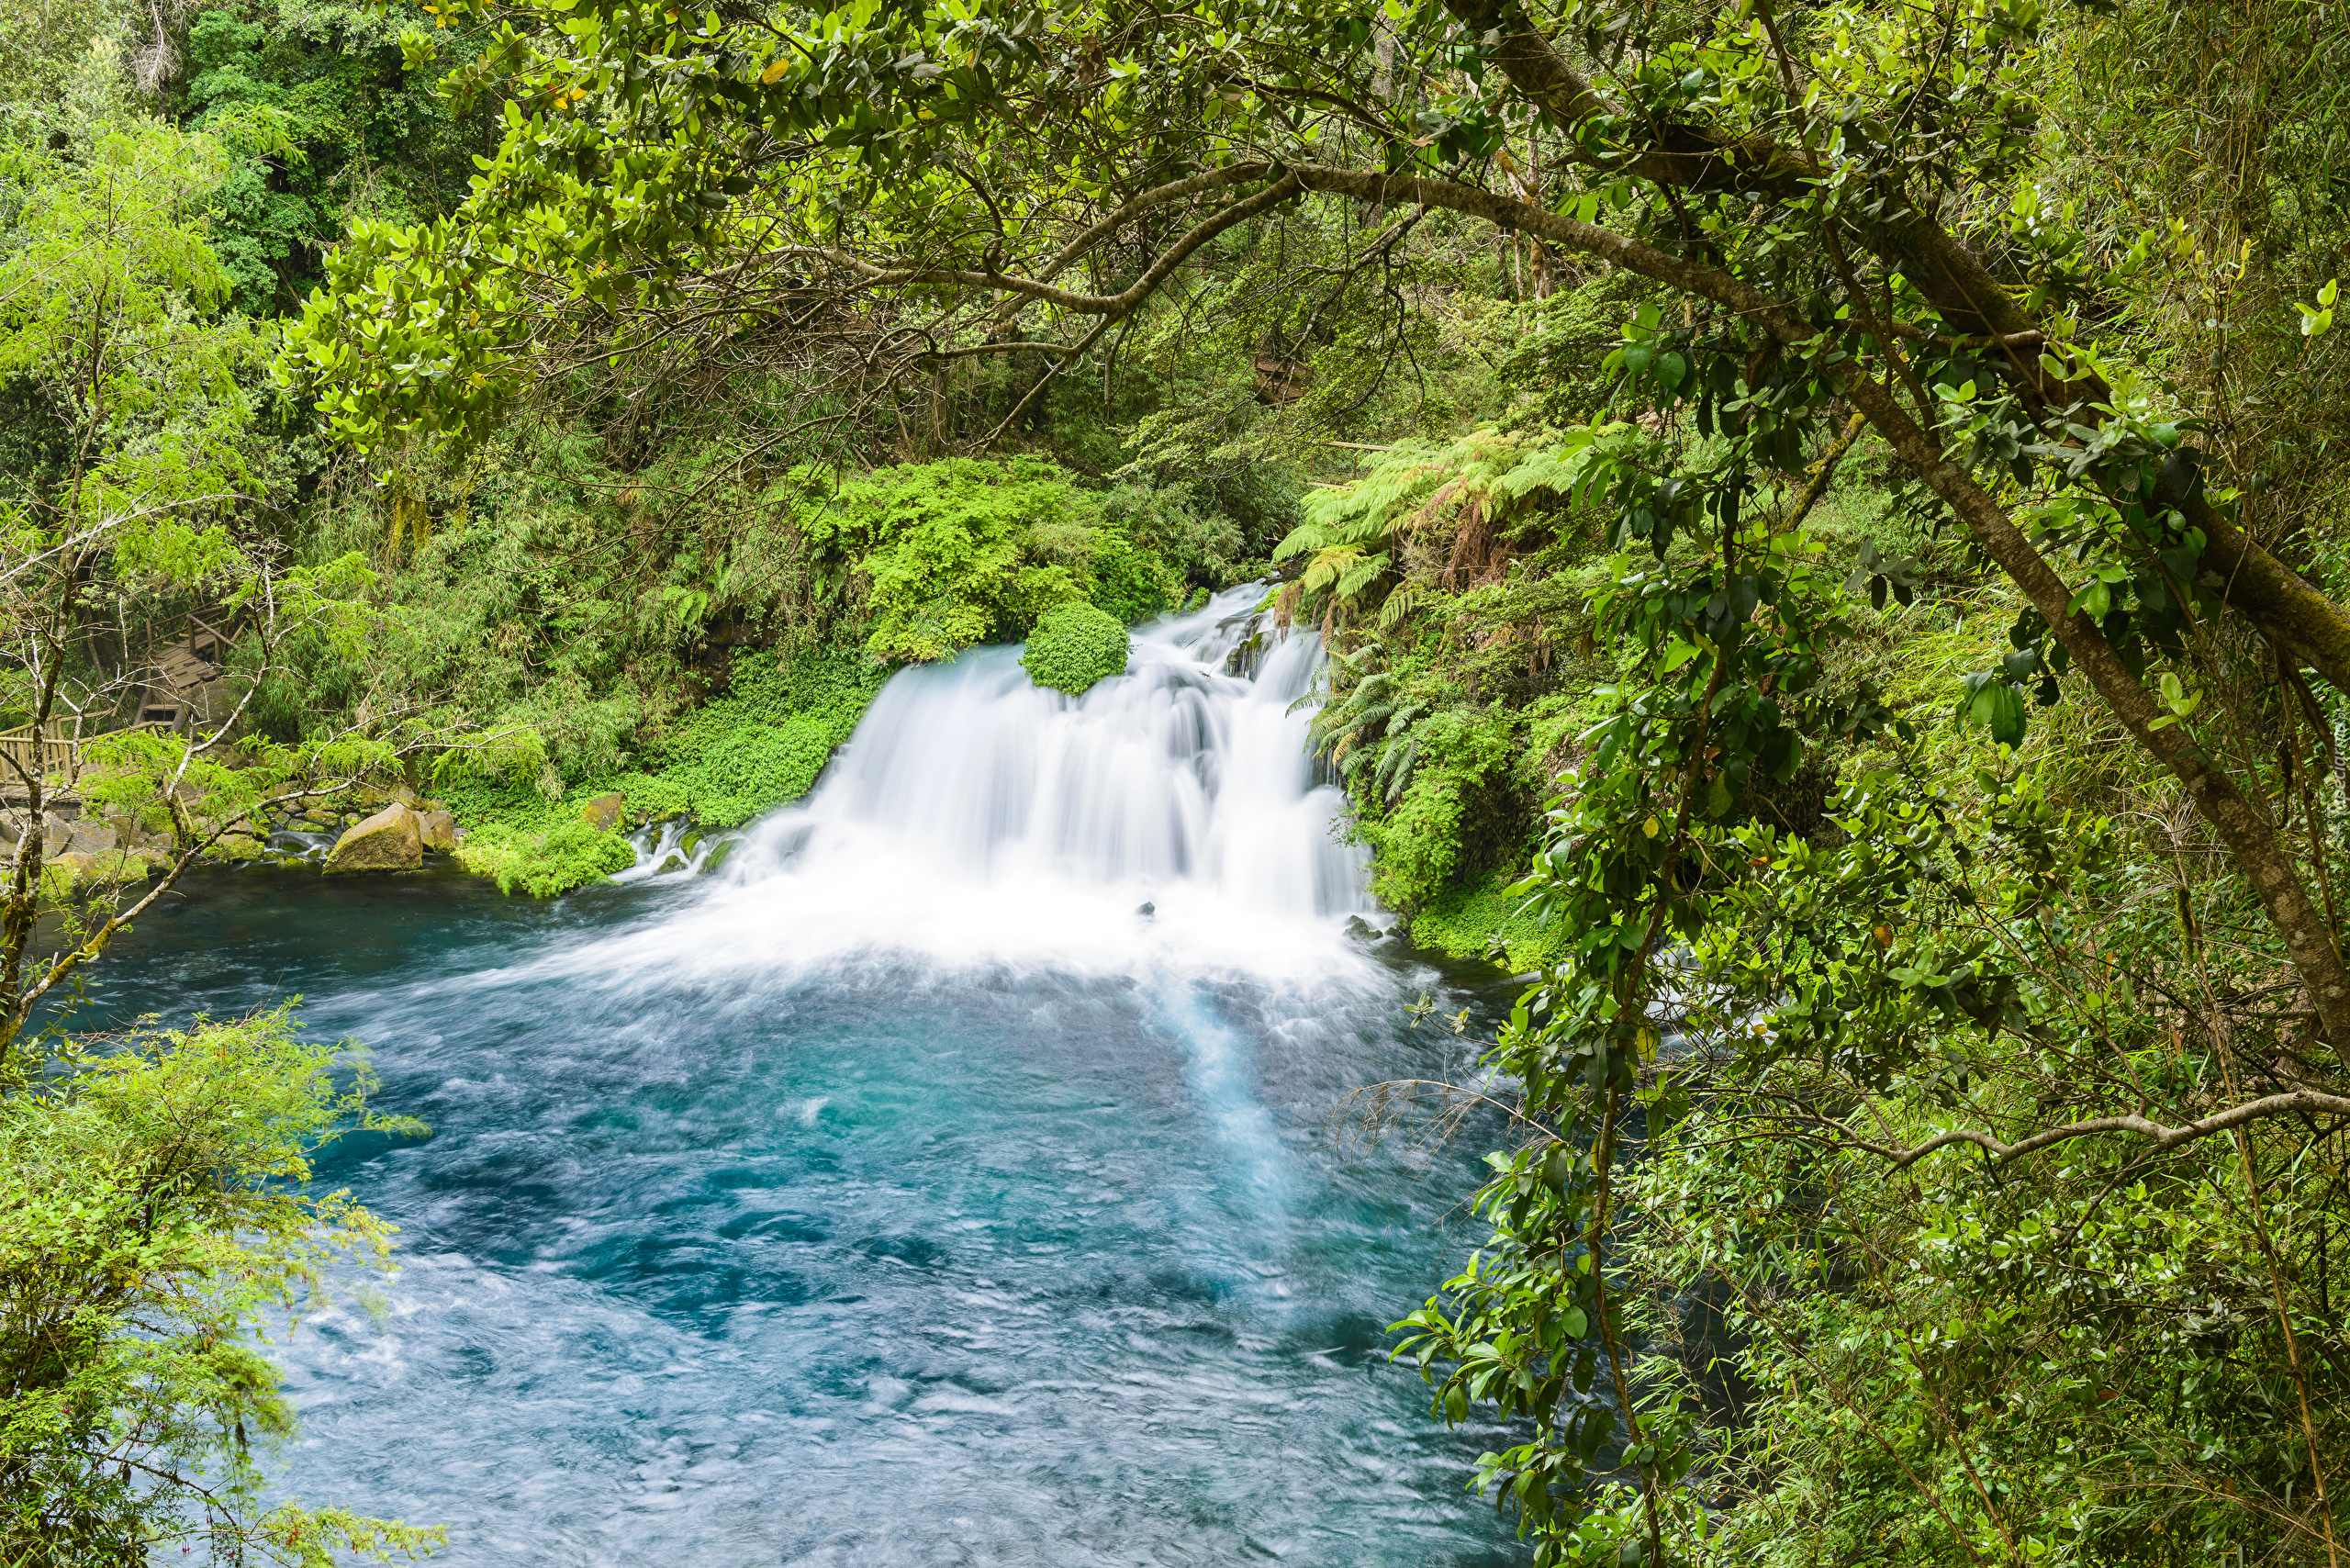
(2296, 1102)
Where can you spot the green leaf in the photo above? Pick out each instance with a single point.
(2006, 715)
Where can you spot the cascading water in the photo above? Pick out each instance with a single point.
(944, 1180)
(977, 817)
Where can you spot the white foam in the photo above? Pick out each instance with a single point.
(977, 820)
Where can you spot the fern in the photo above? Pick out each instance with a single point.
(1395, 768)
(1488, 479)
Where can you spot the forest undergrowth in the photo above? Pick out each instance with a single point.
(1826, 522)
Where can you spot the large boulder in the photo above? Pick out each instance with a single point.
(391, 840)
(91, 838)
(603, 813)
(56, 832)
(75, 871)
(438, 828)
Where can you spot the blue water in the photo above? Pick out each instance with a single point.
(918, 1259)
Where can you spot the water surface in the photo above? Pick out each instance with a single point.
(904, 1194)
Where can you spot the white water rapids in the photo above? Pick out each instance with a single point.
(978, 818)
(900, 1193)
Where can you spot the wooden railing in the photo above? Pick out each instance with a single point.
(56, 751)
(27, 750)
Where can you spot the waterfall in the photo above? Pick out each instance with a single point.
(966, 1126)
(1171, 810)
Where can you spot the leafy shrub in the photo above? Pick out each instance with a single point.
(1463, 760)
(1073, 646)
(154, 1211)
(564, 853)
(966, 550)
(1130, 583)
(1170, 524)
(941, 547)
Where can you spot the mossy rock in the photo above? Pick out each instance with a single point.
(103, 867)
(391, 840)
(1073, 646)
(240, 847)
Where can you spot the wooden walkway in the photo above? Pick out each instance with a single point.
(168, 702)
(184, 669)
(24, 751)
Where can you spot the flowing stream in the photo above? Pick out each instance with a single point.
(945, 1180)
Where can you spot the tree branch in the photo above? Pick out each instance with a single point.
(2296, 1102)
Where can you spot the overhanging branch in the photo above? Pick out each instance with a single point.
(2299, 1101)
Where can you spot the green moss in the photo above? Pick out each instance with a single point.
(760, 747)
(1485, 922)
(1073, 646)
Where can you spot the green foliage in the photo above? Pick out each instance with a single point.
(1073, 646)
(761, 746)
(1453, 506)
(960, 552)
(1173, 526)
(523, 845)
(1730, 686)
(324, 126)
(750, 769)
(940, 547)
(1447, 726)
(1131, 582)
(1487, 919)
(151, 1214)
(46, 52)
(1442, 771)
(2084, 1322)
(107, 294)
(1554, 360)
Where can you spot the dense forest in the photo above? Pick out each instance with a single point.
(1823, 518)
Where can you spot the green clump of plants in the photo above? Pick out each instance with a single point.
(552, 855)
(1130, 583)
(1073, 646)
(760, 747)
(726, 779)
(967, 551)
(945, 550)
(1488, 921)
(154, 1210)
